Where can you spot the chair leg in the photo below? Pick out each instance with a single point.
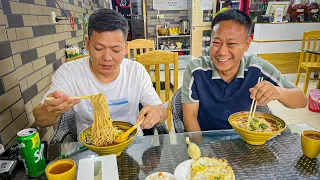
(298, 76)
(318, 84)
(306, 81)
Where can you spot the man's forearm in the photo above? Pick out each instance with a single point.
(43, 117)
(293, 98)
(191, 125)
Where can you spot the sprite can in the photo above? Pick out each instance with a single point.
(31, 152)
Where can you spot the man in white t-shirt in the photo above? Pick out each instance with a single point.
(124, 82)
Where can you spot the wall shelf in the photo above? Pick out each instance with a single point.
(177, 36)
(176, 50)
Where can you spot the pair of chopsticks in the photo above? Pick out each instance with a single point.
(74, 97)
(254, 103)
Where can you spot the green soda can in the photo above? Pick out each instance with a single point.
(31, 152)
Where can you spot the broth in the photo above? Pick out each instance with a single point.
(313, 136)
(60, 169)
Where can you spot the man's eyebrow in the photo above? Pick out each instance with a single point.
(114, 46)
(97, 43)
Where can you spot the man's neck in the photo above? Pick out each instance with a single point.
(228, 75)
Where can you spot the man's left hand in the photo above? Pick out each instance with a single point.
(152, 116)
(264, 92)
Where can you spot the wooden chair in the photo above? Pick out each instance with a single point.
(309, 62)
(163, 58)
(143, 45)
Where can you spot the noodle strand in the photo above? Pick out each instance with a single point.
(103, 132)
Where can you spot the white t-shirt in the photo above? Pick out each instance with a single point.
(132, 86)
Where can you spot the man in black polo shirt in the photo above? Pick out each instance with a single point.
(226, 82)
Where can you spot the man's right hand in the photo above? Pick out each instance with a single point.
(60, 104)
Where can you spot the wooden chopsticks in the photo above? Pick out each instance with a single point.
(254, 103)
(74, 97)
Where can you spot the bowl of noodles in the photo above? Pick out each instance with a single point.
(256, 130)
(87, 139)
(100, 137)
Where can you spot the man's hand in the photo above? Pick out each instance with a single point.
(152, 116)
(264, 92)
(60, 104)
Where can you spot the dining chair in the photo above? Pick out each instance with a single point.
(309, 60)
(65, 128)
(162, 60)
(139, 46)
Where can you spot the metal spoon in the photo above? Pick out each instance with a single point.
(193, 150)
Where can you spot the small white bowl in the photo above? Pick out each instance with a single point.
(154, 175)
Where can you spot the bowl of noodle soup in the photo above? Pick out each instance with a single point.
(100, 137)
(257, 130)
(112, 148)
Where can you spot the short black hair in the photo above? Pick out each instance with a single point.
(107, 20)
(234, 15)
(228, 3)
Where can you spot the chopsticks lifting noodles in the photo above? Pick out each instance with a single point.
(254, 103)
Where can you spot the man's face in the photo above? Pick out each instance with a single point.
(229, 42)
(107, 50)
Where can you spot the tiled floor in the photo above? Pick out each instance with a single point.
(290, 116)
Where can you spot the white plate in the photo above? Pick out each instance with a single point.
(151, 176)
(183, 170)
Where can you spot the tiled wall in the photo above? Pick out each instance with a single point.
(31, 49)
(173, 17)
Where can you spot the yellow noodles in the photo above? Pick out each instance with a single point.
(103, 132)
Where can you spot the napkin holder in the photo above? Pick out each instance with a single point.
(105, 166)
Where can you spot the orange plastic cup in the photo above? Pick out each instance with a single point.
(64, 169)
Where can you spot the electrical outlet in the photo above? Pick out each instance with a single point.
(53, 17)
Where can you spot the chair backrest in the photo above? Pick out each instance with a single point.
(66, 126)
(310, 42)
(141, 45)
(165, 59)
(177, 112)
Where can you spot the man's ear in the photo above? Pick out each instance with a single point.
(126, 47)
(87, 42)
(248, 42)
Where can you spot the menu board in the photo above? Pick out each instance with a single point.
(170, 4)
